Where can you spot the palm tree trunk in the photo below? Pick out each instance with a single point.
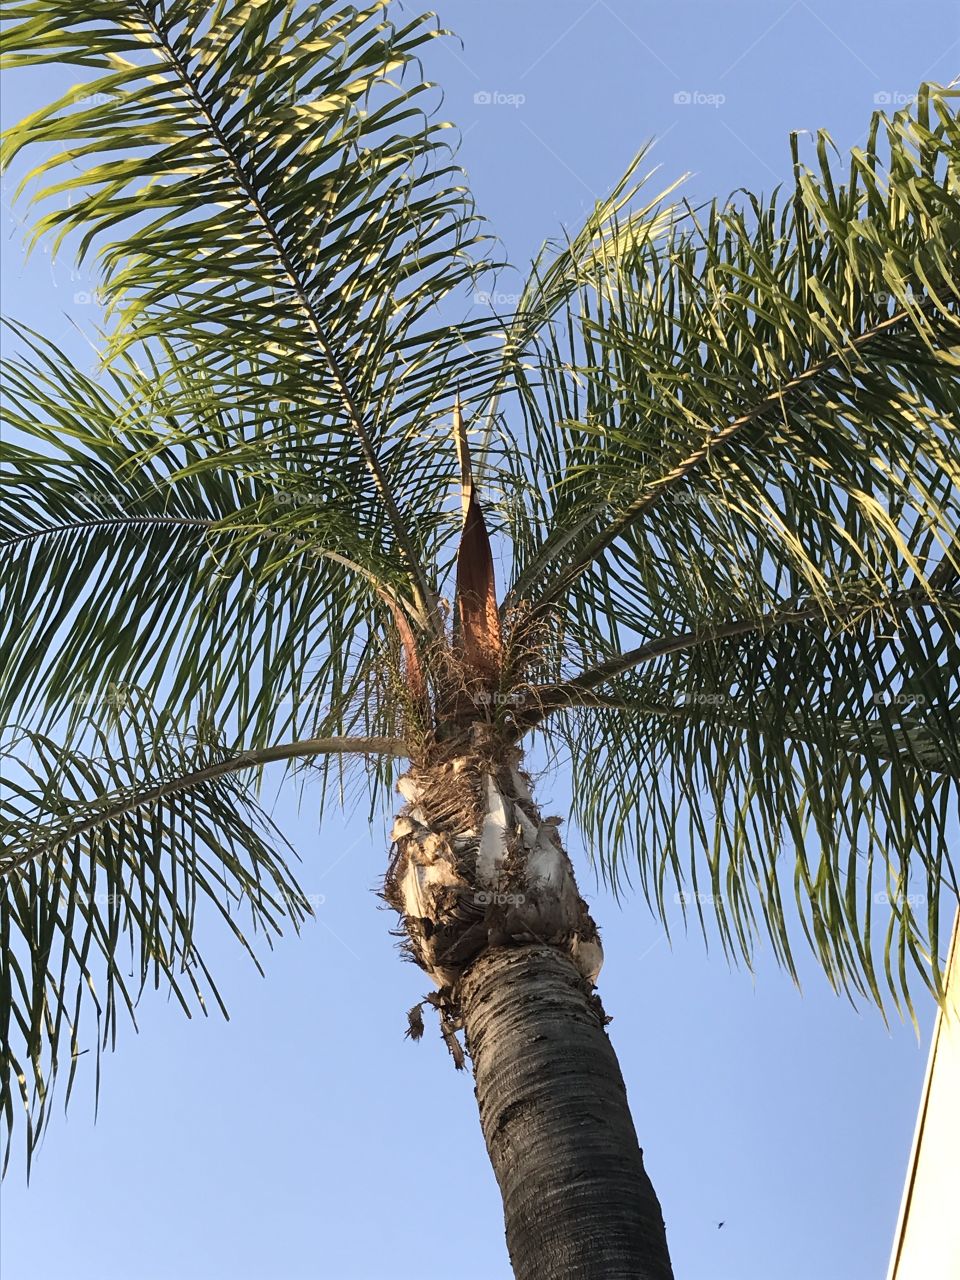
(492, 913)
(577, 1202)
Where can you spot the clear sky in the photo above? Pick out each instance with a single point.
(306, 1139)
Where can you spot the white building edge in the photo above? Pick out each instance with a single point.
(927, 1241)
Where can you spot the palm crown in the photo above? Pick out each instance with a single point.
(714, 451)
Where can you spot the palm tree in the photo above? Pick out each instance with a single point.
(715, 453)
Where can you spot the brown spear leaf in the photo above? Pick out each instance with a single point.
(413, 671)
(476, 626)
(480, 638)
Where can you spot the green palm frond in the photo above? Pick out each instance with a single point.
(747, 452)
(225, 518)
(805, 748)
(114, 857)
(781, 828)
(185, 550)
(627, 222)
(268, 192)
(764, 405)
(516, 471)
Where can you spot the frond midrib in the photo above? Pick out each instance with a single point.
(79, 526)
(657, 488)
(556, 697)
(306, 749)
(870, 747)
(423, 592)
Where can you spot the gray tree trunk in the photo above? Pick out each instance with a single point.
(577, 1202)
(491, 911)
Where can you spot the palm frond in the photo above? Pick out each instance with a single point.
(114, 857)
(764, 405)
(513, 468)
(814, 749)
(147, 549)
(267, 191)
(743, 437)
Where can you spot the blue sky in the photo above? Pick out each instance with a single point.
(306, 1138)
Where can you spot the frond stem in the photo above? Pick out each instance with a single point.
(567, 694)
(720, 440)
(425, 597)
(304, 749)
